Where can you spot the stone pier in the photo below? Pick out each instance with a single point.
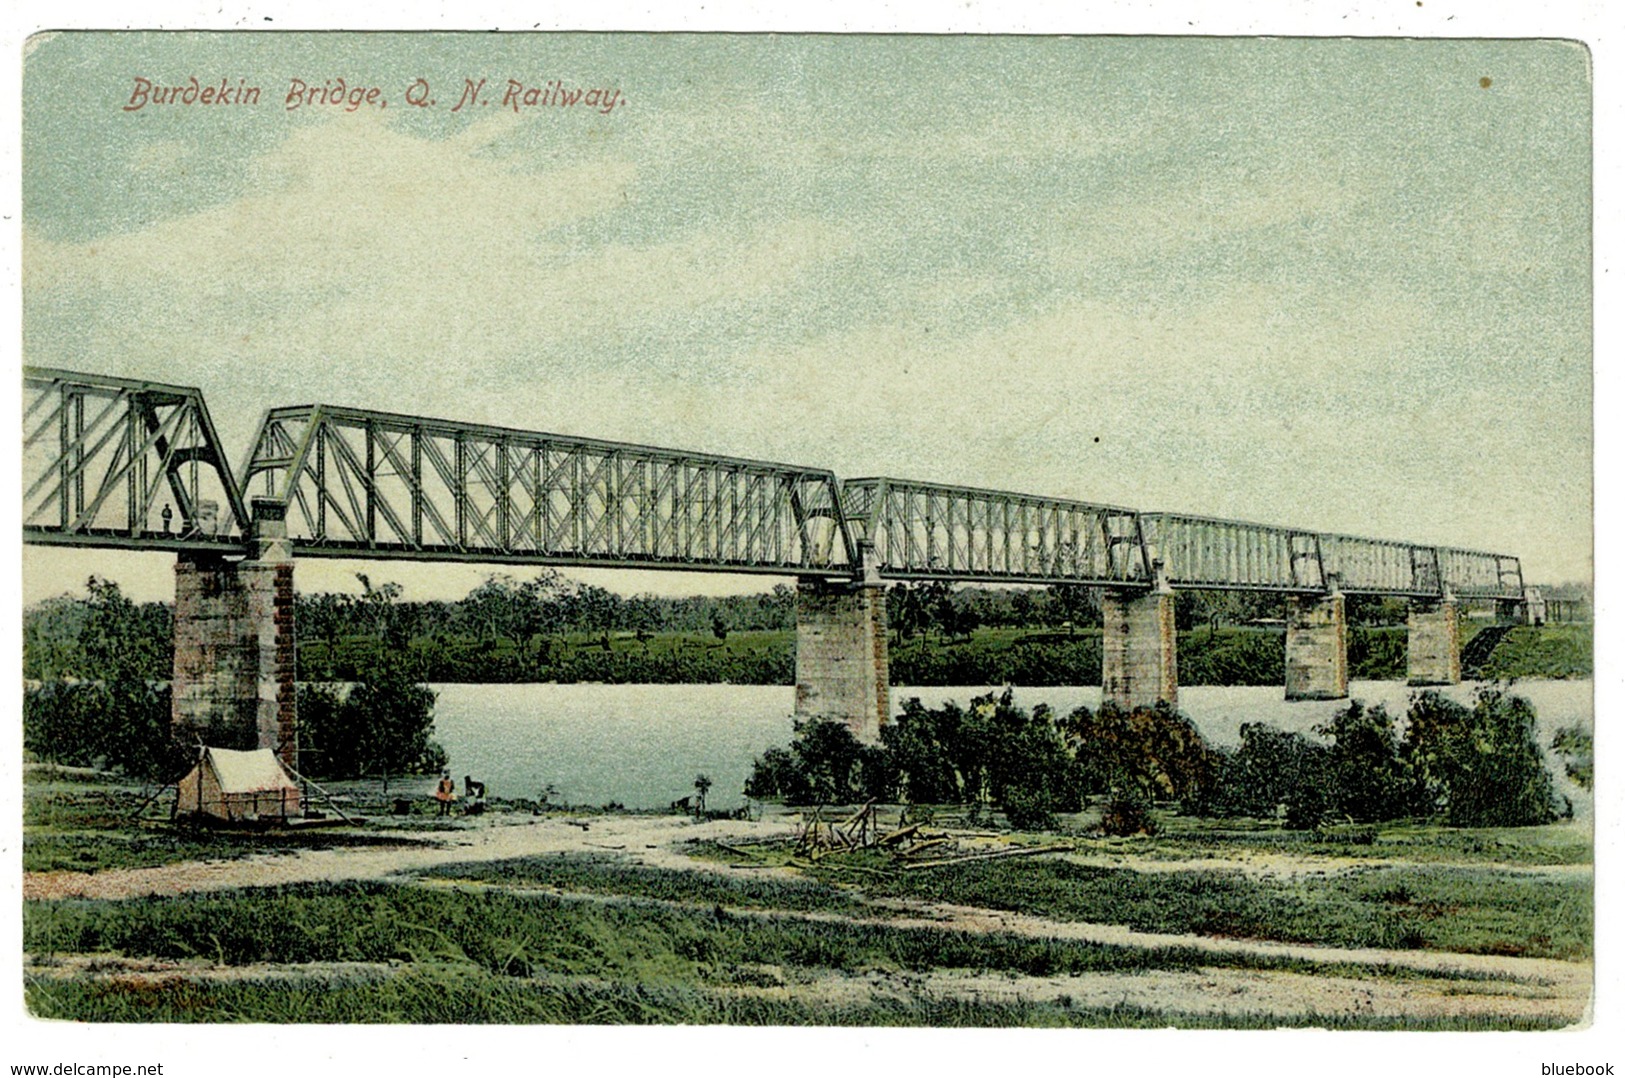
(1139, 661)
(233, 682)
(841, 666)
(1433, 643)
(1317, 648)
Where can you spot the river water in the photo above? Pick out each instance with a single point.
(643, 745)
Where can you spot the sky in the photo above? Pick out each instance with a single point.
(1337, 284)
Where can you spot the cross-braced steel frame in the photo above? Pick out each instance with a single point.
(116, 462)
(359, 483)
(928, 531)
(932, 531)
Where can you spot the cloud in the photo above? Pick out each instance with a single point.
(396, 260)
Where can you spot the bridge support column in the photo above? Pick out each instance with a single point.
(1317, 648)
(233, 683)
(1433, 643)
(841, 666)
(1139, 648)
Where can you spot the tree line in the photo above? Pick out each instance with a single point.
(1466, 766)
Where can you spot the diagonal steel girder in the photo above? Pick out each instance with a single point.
(928, 531)
(117, 462)
(104, 456)
(363, 483)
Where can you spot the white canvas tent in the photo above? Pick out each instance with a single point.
(228, 784)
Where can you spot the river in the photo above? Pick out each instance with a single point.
(643, 745)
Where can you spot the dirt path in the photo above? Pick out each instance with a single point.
(649, 838)
(1512, 986)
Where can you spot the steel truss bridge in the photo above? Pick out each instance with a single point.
(112, 462)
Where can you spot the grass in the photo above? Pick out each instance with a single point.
(468, 996)
(594, 874)
(1480, 911)
(1185, 836)
(79, 825)
(450, 955)
(1548, 651)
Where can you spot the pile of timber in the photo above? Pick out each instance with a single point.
(818, 838)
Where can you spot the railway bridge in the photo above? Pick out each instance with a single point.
(119, 463)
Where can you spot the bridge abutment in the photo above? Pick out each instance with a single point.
(841, 661)
(233, 684)
(1433, 643)
(1317, 648)
(1139, 648)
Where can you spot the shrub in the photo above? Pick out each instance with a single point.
(1157, 748)
(1270, 773)
(1574, 745)
(825, 764)
(1369, 775)
(1481, 765)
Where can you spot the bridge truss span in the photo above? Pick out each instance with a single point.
(932, 531)
(359, 483)
(1211, 553)
(115, 462)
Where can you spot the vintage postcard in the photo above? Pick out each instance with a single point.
(805, 529)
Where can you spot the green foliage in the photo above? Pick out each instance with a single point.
(1549, 651)
(1272, 772)
(1369, 775)
(1156, 751)
(382, 726)
(1574, 744)
(992, 754)
(1482, 765)
(121, 720)
(825, 764)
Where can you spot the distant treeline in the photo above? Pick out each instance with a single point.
(551, 629)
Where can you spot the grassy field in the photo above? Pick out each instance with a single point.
(734, 934)
(400, 952)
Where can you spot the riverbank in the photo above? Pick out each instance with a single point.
(564, 917)
(1252, 655)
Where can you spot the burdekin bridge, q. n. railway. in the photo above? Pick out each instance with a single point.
(118, 463)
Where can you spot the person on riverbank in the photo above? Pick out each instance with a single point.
(445, 793)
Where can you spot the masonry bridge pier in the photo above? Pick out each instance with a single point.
(117, 463)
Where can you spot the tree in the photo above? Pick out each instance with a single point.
(825, 764)
(383, 726)
(1271, 772)
(702, 786)
(120, 717)
(1482, 766)
(1368, 774)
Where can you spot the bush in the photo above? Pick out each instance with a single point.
(825, 764)
(1574, 745)
(1158, 749)
(1481, 765)
(381, 727)
(1270, 773)
(990, 754)
(1370, 777)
